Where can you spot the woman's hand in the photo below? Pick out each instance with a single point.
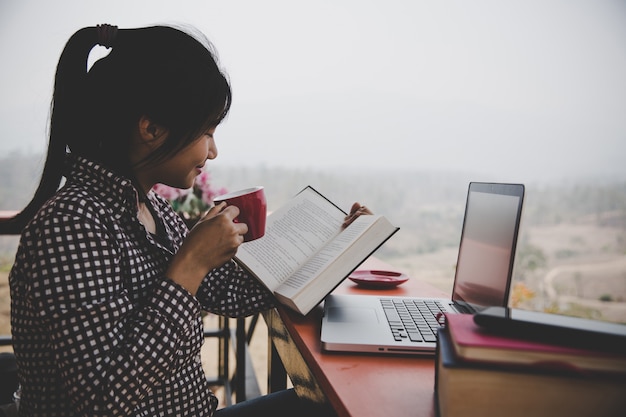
(212, 242)
(355, 211)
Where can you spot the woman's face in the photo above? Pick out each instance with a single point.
(181, 169)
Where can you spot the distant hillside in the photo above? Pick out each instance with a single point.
(571, 255)
(428, 206)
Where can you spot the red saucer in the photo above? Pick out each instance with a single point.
(378, 279)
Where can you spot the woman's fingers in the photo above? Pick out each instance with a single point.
(355, 211)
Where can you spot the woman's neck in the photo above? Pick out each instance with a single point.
(145, 217)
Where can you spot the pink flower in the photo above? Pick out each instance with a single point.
(203, 179)
(192, 202)
(169, 193)
(210, 193)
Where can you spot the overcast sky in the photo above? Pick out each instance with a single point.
(514, 90)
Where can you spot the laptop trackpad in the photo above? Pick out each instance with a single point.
(352, 315)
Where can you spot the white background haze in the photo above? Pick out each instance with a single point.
(515, 90)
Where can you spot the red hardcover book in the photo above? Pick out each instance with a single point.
(475, 344)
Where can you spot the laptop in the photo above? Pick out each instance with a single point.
(407, 325)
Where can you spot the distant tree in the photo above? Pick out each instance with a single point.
(530, 258)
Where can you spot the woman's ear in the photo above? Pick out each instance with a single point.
(151, 133)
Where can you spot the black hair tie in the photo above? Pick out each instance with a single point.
(106, 35)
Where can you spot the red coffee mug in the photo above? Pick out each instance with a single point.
(252, 209)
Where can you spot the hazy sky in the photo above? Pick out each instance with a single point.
(513, 90)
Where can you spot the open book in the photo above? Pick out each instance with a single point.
(305, 253)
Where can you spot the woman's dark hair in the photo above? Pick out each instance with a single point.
(167, 74)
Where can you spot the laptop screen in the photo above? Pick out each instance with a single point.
(488, 241)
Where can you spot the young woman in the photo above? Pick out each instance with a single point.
(108, 282)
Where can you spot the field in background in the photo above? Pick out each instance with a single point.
(571, 254)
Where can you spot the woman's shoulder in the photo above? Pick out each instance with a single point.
(74, 205)
(76, 199)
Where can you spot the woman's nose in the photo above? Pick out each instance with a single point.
(212, 154)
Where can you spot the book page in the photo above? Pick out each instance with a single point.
(326, 255)
(293, 233)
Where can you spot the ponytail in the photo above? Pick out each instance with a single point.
(66, 103)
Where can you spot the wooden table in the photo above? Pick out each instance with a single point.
(355, 385)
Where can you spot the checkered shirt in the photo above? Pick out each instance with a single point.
(98, 330)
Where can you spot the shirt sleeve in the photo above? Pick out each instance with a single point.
(231, 291)
(112, 341)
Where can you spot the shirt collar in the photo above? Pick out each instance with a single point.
(118, 190)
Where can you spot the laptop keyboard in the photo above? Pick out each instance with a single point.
(414, 320)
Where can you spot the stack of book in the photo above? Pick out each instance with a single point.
(481, 373)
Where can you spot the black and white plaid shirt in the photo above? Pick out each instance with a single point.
(98, 329)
